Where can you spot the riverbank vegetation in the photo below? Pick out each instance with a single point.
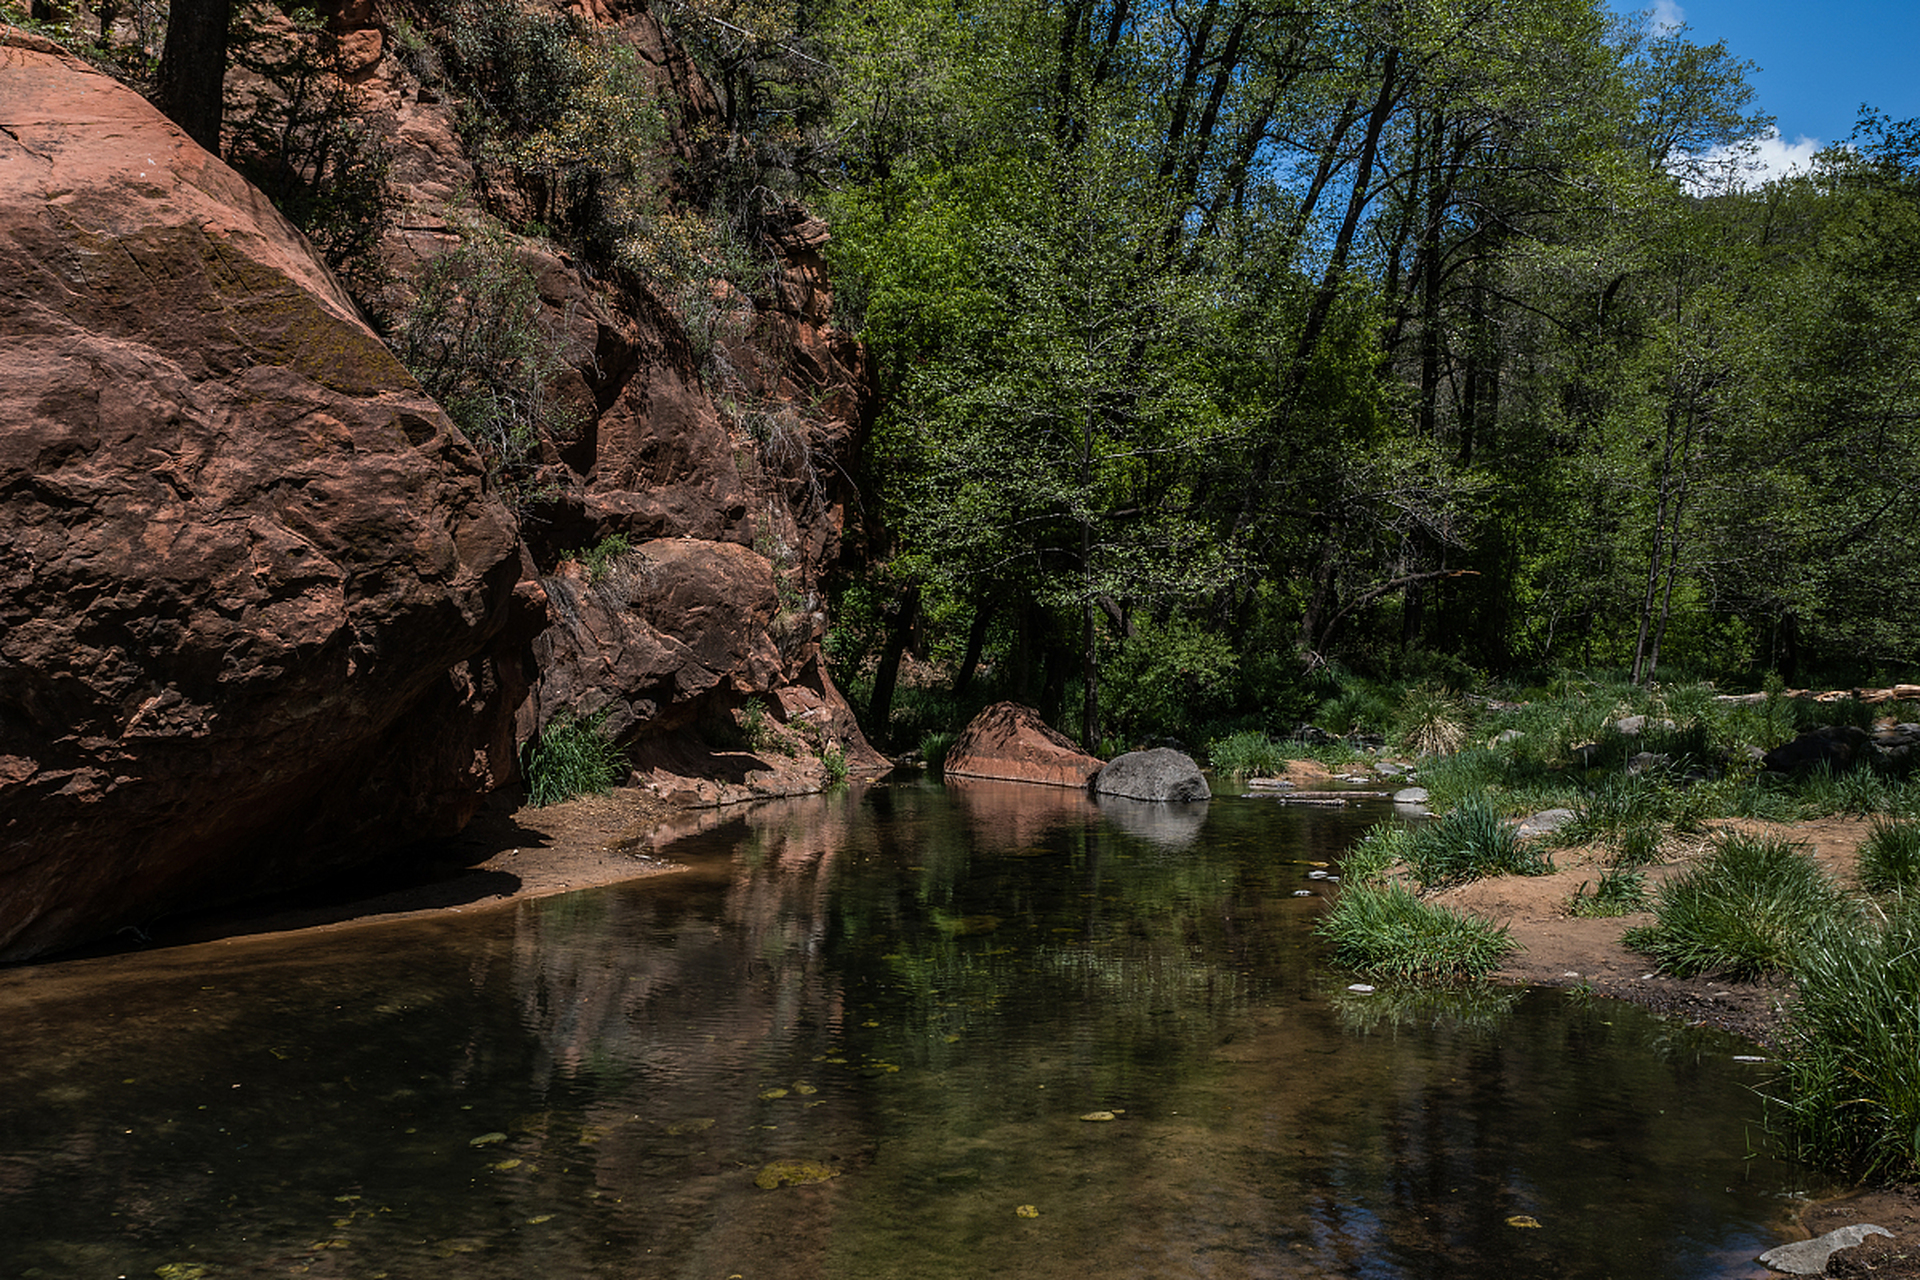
(1671, 781)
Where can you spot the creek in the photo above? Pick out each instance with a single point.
(908, 1032)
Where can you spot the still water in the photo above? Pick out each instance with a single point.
(918, 996)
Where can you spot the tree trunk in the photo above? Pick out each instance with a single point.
(887, 676)
(976, 641)
(190, 87)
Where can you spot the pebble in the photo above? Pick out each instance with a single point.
(1361, 988)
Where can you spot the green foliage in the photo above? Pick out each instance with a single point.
(599, 559)
(1357, 708)
(757, 726)
(572, 757)
(1890, 856)
(1384, 930)
(834, 757)
(1472, 840)
(551, 99)
(934, 747)
(1167, 679)
(479, 343)
(1741, 913)
(1621, 892)
(1848, 1096)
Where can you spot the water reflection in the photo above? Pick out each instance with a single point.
(923, 994)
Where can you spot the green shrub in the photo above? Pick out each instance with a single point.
(478, 341)
(1385, 930)
(572, 757)
(1740, 913)
(301, 131)
(1472, 840)
(1848, 1095)
(1355, 709)
(1376, 853)
(1890, 857)
(1621, 892)
(1167, 678)
(834, 757)
(599, 559)
(550, 98)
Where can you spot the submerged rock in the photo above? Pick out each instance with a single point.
(793, 1173)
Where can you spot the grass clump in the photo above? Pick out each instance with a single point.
(1249, 753)
(1849, 1096)
(1741, 912)
(1432, 722)
(1621, 892)
(1890, 857)
(572, 757)
(934, 748)
(1383, 929)
(1472, 840)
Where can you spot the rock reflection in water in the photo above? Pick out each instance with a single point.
(861, 1038)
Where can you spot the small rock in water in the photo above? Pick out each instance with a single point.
(1316, 875)
(1304, 893)
(793, 1173)
(1096, 1117)
(1410, 795)
(1747, 1057)
(1361, 988)
(1809, 1257)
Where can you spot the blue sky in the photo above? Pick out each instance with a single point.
(1818, 63)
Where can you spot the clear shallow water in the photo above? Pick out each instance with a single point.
(919, 992)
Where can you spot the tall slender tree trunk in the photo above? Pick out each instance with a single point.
(190, 86)
(886, 677)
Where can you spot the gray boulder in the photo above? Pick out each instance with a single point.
(1159, 774)
(1838, 746)
(1543, 822)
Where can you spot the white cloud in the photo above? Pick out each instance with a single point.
(1745, 165)
(1665, 16)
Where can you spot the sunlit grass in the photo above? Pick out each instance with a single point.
(1472, 840)
(1890, 856)
(1740, 913)
(1620, 892)
(1848, 1095)
(1382, 929)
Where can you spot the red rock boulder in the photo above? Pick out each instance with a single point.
(1011, 743)
(245, 564)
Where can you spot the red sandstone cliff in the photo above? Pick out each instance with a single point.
(261, 613)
